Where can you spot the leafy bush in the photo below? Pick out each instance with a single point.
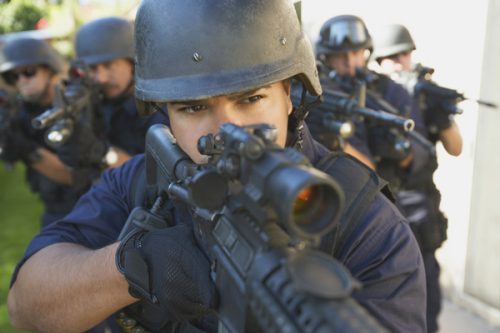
(19, 15)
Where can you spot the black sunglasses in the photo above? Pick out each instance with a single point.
(11, 77)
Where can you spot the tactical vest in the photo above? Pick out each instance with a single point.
(360, 185)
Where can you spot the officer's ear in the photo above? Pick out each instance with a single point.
(287, 86)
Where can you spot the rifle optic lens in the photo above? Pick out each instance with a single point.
(306, 205)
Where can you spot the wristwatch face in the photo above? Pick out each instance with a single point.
(111, 157)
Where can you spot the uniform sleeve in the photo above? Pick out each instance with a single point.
(383, 255)
(97, 218)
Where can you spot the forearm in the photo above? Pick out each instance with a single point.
(349, 149)
(51, 167)
(452, 140)
(67, 288)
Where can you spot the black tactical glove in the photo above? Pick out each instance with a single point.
(166, 267)
(83, 148)
(388, 143)
(18, 147)
(437, 113)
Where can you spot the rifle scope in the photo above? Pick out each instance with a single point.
(307, 202)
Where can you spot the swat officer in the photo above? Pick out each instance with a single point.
(34, 68)
(393, 52)
(343, 50)
(393, 48)
(106, 47)
(228, 68)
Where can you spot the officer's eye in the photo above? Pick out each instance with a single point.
(192, 108)
(251, 99)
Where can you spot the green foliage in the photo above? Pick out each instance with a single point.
(20, 213)
(19, 15)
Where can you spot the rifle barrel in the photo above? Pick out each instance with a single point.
(47, 118)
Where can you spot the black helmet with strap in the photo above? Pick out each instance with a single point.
(227, 47)
(105, 39)
(342, 34)
(29, 51)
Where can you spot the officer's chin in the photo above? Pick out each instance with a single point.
(32, 98)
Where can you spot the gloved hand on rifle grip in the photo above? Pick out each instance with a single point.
(437, 120)
(437, 113)
(18, 146)
(166, 267)
(83, 148)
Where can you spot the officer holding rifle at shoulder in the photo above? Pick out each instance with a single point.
(110, 130)
(233, 65)
(34, 68)
(343, 50)
(419, 198)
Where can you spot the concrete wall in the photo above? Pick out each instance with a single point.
(482, 277)
(457, 38)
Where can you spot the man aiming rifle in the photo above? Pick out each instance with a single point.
(225, 67)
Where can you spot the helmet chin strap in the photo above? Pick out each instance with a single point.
(296, 120)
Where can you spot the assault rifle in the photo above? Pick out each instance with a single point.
(446, 97)
(339, 106)
(75, 100)
(258, 211)
(400, 140)
(337, 113)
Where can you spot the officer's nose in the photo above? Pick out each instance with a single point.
(226, 113)
(350, 63)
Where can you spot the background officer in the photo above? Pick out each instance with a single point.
(34, 68)
(343, 50)
(393, 52)
(105, 47)
(420, 198)
(241, 75)
(105, 50)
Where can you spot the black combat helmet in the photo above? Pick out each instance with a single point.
(342, 34)
(29, 51)
(392, 39)
(191, 49)
(105, 39)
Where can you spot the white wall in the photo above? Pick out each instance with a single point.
(450, 37)
(483, 265)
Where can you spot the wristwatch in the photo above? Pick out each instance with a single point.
(111, 156)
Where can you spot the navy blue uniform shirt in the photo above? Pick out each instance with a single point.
(381, 252)
(125, 128)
